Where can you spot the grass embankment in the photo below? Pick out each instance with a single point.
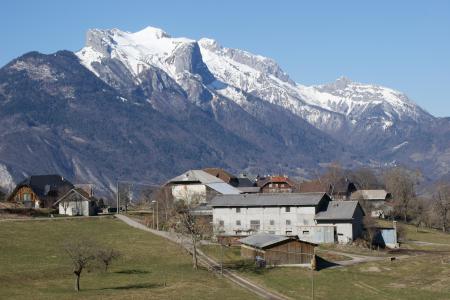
(33, 264)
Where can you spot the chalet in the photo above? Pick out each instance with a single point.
(40, 191)
(199, 186)
(374, 200)
(275, 184)
(289, 214)
(77, 202)
(277, 250)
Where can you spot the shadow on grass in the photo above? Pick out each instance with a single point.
(135, 286)
(132, 271)
(248, 266)
(324, 264)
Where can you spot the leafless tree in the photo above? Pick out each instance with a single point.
(189, 225)
(370, 228)
(442, 204)
(82, 254)
(107, 256)
(365, 178)
(419, 211)
(401, 183)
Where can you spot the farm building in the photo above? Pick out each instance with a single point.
(77, 202)
(199, 186)
(278, 250)
(40, 191)
(346, 217)
(306, 215)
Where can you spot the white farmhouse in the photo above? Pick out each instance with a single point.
(289, 214)
(199, 186)
(76, 202)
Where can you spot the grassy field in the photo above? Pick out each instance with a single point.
(422, 234)
(424, 276)
(33, 264)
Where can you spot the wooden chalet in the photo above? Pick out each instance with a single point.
(275, 184)
(40, 191)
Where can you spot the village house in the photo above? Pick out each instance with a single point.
(377, 201)
(277, 250)
(40, 191)
(275, 184)
(306, 215)
(77, 202)
(199, 186)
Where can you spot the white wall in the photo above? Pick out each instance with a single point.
(298, 216)
(74, 208)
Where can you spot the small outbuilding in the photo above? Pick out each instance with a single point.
(278, 250)
(77, 202)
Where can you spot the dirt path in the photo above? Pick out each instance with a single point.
(208, 262)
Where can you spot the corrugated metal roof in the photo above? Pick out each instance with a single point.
(369, 195)
(338, 210)
(263, 240)
(279, 199)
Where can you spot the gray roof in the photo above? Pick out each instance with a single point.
(263, 240)
(369, 195)
(200, 176)
(267, 199)
(338, 210)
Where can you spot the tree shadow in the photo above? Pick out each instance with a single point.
(135, 286)
(244, 265)
(324, 264)
(132, 271)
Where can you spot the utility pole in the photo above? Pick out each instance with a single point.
(312, 274)
(157, 215)
(118, 200)
(153, 215)
(221, 258)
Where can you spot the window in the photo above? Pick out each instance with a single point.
(238, 222)
(238, 209)
(254, 225)
(305, 232)
(288, 232)
(288, 222)
(270, 185)
(272, 222)
(271, 232)
(26, 197)
(305, 222)
(287, 209)
(221, 223)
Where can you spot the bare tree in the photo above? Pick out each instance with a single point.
(419, 210)
(401, 183)
(442, 204)
(190, 225)
(365, 178)
(107, 256)
(82, 253)
(370, 228)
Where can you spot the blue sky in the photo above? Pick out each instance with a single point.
(404, 45)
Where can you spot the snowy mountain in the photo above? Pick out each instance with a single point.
(145, 106)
